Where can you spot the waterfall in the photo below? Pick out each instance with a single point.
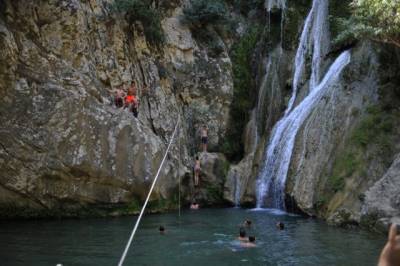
(279, 4)
(270, 4)
(314, 39)
(279, 152)
(237, 189)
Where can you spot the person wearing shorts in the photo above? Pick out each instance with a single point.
(204, 138)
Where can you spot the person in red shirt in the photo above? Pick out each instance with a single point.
(131, 101)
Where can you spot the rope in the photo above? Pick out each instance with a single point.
(147, 199)
(179, 175)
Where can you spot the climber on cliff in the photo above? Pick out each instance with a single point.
(131, 101)
(197, 169)
(118, 97)
(204, 137)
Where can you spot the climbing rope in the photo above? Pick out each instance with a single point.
(179, 175)
(147, 199)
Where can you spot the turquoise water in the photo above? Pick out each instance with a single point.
(204, 237)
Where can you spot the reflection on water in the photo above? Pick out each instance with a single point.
(204, 237)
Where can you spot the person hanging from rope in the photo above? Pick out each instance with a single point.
(204, 137)
(131, 101)
(197, 169)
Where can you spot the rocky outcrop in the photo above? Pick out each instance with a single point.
(382, 200)
(63, 146)
(214, 167)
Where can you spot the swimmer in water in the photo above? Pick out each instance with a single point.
(251, 243)
(247, 223)
(280, 225)
(242, 235)
(162, 230)
(194, 206)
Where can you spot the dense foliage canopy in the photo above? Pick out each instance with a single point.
(375, 19)
(202, 12)
(142, 10)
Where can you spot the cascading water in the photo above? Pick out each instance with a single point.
(237, 189)
(279, 151)
(314, 39)
(270, 4)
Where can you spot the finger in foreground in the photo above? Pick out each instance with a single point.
(392, 233)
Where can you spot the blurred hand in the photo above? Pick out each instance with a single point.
(390, 255)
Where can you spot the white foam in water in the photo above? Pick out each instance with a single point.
(272, 178)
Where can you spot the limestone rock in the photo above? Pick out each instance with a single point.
(63, 145)
(214, 167)
(382, 200)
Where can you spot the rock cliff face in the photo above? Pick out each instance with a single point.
(64, 148)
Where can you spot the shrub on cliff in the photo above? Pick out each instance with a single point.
(243, 83)
(199, 13)
(244, 6)
(374, 19)
(142, 10)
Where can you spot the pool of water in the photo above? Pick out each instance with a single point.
(203, 237)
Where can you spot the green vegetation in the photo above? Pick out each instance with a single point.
(374, 19)
(142, 10)
(375, 128)
(133, 207)
(215, 194)
(344, 167)
(200, 13)
(162, 204)
(244, 6)
(373, 133)
(242, 101)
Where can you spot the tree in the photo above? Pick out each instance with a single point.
(142, 10)
(203, 12)
(376, 19)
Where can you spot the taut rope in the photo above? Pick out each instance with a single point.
(147, 199)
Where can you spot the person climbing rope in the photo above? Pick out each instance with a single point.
(197, 169)
(131, 101)
(204, 137)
